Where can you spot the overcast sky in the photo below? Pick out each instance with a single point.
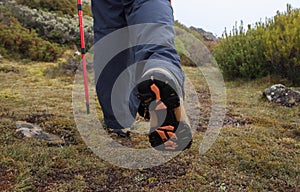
(215, 15)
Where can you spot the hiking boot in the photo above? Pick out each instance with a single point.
(123, 133)
(158, 92)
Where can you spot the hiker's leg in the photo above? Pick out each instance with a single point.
(160, 87)
(108, 17)
(159, 32)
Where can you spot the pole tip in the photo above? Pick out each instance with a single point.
(88, 108)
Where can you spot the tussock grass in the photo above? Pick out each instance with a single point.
(260, 156)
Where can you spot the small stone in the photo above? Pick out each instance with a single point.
(28, 130)
(281, 94)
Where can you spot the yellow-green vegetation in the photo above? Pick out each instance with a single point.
(267, 48)
(20, 42)
(33, 33)
(262, 155)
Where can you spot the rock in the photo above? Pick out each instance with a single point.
(281, 94)
(28, 130)
(207, 36)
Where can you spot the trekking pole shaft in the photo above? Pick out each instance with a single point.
(83, 56)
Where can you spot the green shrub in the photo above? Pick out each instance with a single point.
(19, 42)
(270, 47)
(283, 44)
(240, 54)
(62, 30)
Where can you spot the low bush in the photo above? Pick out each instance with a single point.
(19, 42)
(267, 48)
(62, 30)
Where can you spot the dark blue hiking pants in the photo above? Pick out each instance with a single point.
(120, 105)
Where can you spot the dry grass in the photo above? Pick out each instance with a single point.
(262, 155)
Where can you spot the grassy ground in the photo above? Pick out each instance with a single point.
(258, 148)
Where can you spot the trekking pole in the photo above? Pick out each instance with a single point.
(83, 58)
